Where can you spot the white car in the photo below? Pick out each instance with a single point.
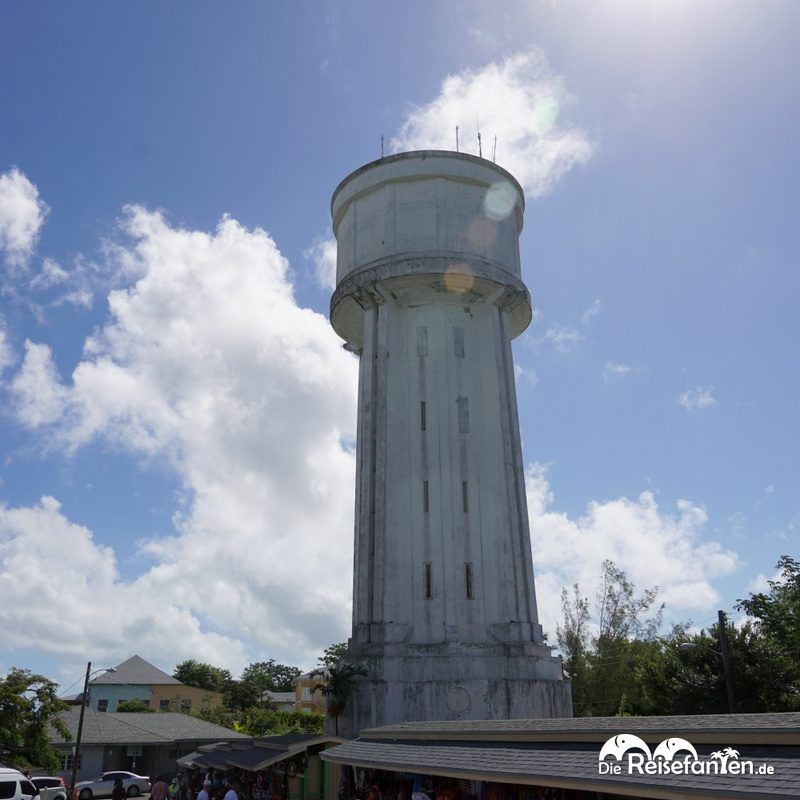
(58, 790)
(102, 786)
(15, 786)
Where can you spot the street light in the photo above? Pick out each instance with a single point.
(84, 696)
(724, 653)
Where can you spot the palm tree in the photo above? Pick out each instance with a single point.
(338, 686)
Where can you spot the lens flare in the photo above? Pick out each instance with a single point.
(499, 200)
(458, 279)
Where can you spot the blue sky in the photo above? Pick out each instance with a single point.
(189, 415)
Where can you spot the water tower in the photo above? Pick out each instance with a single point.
(429, 295)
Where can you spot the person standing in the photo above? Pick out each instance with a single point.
(159, 789)
(203, 794)
(118, 792)
(233, 790)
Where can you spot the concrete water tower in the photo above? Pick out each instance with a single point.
(429, 295)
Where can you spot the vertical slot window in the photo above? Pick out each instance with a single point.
(428, 581)
(458, 342)
(469, 581)
(422, 416)
(425, 497)
(464, 497)
(422, 340)
(463, 414)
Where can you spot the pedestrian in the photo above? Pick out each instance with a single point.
(159, 789)
(174, 789)
(118, 792)
(204, 792)
(233, 790)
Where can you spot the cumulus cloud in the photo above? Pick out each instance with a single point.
(699, 397)
(521, 102)
(655, 547)
(60, 588)
(207, 363)
(6, 353)
(22, 214)
(322, 255)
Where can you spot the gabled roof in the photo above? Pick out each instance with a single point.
(142, 728)
(136, 671)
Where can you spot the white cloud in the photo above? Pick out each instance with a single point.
(323, 255)
(62, 590)
(613, 370)
(562, 338)
(653, 546)
(591, 312)
(518, 100)
(207, 363)
(525, 375)
(769, 489)
(22, 215)
(699, 397)
(6, 353)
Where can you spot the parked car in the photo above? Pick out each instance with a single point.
(14, 785)
(49, 782)
(102, 786)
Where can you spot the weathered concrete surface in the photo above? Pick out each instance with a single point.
(430, 295)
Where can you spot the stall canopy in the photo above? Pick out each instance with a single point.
(258, 755)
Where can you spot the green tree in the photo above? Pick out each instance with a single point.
(686, 675)
(271, 722)
(602, 665)
(202, 676)
(574, 641)
(334, 654)
(338, 686)
(131, 706)
(269, 675)
(29, 705)
(776, 615)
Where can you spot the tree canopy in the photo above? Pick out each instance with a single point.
(202, 676)
(619, 661)
(29, 705)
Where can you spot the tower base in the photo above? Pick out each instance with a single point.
(454, 681)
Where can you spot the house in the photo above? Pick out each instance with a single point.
(142, 742)
(137, 679)
(302, 697)
(745, 756)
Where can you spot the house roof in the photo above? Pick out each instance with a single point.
(141, 728)
(136, 671)
(564, 753)
(279, 697)
(702, 727)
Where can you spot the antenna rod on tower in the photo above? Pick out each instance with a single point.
(478, 128)
(494, 150)
(456, 138)
(381, 145)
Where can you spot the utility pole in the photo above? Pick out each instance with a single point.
(727, 661)
(77, 755)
